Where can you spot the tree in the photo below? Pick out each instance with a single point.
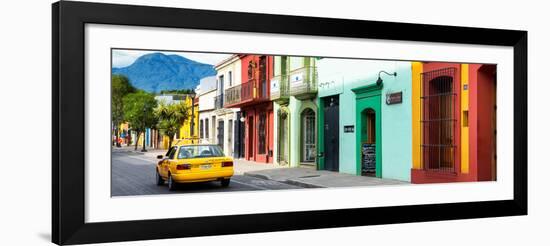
(171, 118)
(120, 87)
(181, 91)
(139, 112)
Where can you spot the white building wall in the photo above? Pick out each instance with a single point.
(231, 71)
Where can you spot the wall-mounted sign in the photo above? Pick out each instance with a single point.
(330, 85)
(349, 128)
(327, 84)
(295, 78)
(274, 85)
(394, 98)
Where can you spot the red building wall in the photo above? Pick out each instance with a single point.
(486, 139)
(432, 66)
(253, 111)
(482, 100)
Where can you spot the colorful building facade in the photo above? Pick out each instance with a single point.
(454, 122)
(359, 131)
(252, 96)
(189, 131)
(206, 93)
(227, 119)
(293, 92)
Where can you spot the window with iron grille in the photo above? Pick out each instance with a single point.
(263, 76)
(206, 128)
(201, 129)
(308, 136)
(438, 120)
(262, 133)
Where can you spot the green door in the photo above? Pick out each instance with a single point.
(369, 144)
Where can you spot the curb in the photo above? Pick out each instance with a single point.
(303, 184)
(256, 175)
(288, 181)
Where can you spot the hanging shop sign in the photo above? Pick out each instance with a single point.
(394, 98)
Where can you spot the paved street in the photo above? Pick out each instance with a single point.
(134, 174)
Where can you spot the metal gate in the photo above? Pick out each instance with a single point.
(438, 120)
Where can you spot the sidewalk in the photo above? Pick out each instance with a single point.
(311, 178)
(242, 166)
(152, 153)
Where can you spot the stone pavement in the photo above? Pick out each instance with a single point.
(241, 166)
(311, 178)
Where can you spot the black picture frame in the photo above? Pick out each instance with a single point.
(68, 172)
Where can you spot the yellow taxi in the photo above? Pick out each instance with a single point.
(188, 163)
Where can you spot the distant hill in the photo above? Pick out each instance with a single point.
(155, 72)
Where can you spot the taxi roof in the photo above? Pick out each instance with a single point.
(191, 142)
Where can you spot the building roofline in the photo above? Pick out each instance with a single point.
(226, 61)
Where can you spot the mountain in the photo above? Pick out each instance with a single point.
(156, 71)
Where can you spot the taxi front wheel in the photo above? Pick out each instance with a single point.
(225, 182)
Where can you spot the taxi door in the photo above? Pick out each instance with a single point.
(165, 164)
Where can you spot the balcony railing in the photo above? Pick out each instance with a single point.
(303, 82)
(279, 88)
(239, 93)
(247, 92)
(218, 101)
(233, 95)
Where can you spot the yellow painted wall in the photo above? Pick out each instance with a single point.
(464, 131)
(185, 130)
(165, 142)
(416, 111)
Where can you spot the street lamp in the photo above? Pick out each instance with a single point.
(379, 80)
(144, 131)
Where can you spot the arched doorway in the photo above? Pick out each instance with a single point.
(308, 141)
(438, 122)
(369, 130)
(283, 134)
(368, 142)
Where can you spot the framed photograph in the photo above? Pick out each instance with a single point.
(173, 122)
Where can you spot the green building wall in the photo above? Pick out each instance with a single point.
(295, 108)
(339, 77)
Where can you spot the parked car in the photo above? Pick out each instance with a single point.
(188, 163)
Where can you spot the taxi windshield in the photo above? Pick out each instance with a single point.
(199, 151)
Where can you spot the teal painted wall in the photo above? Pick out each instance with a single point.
(339, 76)
(397, 127)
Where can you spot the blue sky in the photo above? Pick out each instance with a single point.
(123, 58)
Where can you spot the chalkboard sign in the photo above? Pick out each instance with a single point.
(368, 158)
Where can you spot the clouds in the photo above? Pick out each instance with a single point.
(123, 58)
